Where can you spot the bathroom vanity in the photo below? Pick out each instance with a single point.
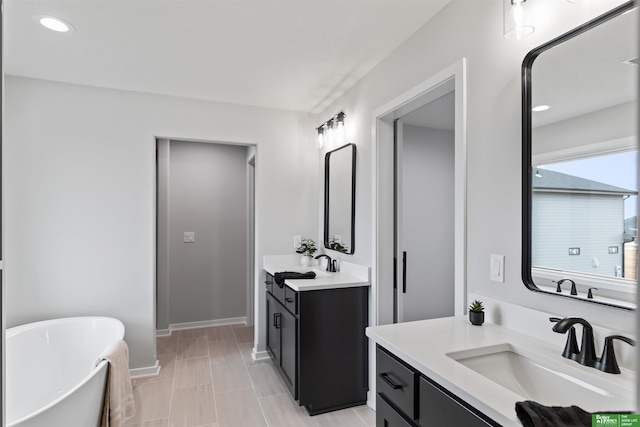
(449, 372)
(316, 339)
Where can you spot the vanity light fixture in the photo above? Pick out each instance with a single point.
(54, 24)
(517, 19)
(332, 131)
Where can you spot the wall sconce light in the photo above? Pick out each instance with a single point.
(332, 131)
(517, 19)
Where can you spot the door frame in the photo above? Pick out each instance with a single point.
(383, 269)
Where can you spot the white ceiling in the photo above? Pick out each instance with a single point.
(438, 114)
(288, 54)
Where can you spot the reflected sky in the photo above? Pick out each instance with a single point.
(619, 169)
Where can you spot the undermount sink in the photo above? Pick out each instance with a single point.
(535, 377)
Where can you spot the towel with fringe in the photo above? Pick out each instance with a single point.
(533, 414)
(118, 399)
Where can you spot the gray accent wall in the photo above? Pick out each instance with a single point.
(203, 191)
(428, 222)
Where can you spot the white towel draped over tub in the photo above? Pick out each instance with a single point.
(118, 399)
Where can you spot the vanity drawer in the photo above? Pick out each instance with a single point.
(269, 282)
(397, 382)
(291, 300)
(387, 416)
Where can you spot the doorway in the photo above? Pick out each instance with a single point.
(425, 211)
(204, 234)
(387, 253)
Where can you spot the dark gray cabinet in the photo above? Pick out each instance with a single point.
(317, 342)
(407, 398)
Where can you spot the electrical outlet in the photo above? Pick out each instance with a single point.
(496, 266)
(296, 241)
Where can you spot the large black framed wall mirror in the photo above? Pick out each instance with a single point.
(340, 199)
(580, 162)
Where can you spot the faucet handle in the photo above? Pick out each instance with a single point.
(571, 350)
(608, 362)
(590, 294)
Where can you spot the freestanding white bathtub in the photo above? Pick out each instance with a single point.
(51, 374)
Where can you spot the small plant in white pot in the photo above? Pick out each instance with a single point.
(307, 248)
(476, 313)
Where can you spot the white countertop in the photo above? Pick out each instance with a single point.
(323, 280)
(425, 344)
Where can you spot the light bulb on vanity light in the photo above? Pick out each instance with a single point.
(340, 132)
(517, 19)
(330, 132)
(320, 136)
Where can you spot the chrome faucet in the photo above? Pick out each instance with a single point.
(331, 265)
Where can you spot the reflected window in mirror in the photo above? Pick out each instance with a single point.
(339, 199)
(580, 161)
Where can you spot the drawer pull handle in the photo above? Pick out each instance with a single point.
(289, 300)
(385, 377)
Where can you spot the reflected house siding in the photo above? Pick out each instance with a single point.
(571, 212)
(559, 223)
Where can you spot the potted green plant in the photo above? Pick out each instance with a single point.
(307, 248)
(476, 313)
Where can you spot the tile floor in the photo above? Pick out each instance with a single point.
(209, 380)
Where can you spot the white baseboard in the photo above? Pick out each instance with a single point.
(259, 355)
(201, 324)
(149, 371)
(371, 400)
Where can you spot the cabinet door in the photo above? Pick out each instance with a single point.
(289, 354)
(439, 408)
(274, 317)
(387, 416)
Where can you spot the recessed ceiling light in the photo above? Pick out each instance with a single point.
(54, 24)
(540, 108)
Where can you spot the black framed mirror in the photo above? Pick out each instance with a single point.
(340, 199)
(580, 162)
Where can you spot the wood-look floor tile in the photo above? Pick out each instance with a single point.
(224, 351)
(192, 372)
(281, 411)
(163, 422)
(152, 401)
(167, 363)
(243, 333)
(229, 376)
(239, 409)
(191, 333)
(168, 344)
(192, 347)
(217, 333)
(367, 415)
(266, 380)
(192, 407)
(342, 418)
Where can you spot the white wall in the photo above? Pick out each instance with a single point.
(80, 196)
(473, 29)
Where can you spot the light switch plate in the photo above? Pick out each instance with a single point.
(496, 268)
(189, 237)
(296, 241)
